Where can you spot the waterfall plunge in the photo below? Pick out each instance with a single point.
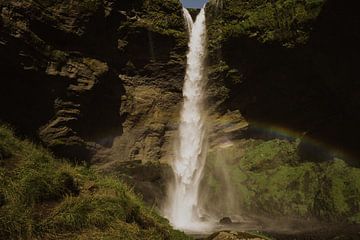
(183, 206)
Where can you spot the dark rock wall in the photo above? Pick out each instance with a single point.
(288, 63)
(283, 73)
(68, 67)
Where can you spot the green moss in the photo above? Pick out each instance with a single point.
(339, 193)
(268, 178)
(84, 6)
(288, 191)
(269, 155)
(163, 16)
(45, 198)
(90, 6)
(284, 21)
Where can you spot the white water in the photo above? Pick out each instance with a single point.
(188, 20)
(183, 208)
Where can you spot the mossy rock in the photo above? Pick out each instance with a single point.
(269, 155)
(164, 17)
(268, 178)
(339, 193)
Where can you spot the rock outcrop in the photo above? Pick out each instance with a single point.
(93, 80)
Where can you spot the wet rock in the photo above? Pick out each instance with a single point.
(231, 235)
(224, 236)
(225, 220)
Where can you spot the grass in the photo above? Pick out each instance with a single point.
(46, 198)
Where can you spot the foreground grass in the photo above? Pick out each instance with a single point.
(45, 198)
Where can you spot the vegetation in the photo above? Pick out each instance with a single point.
(284, 21)
(85, 6)
(46, 198)
(268, 178)
(249, 27)
(163, 17)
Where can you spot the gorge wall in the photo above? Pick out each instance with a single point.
(283, 89)
(290, 64)
(77, 75)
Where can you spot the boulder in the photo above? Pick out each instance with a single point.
(231, 235)
(225, 220)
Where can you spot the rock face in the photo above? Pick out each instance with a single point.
(225, 220)
(288, 63)
(93, 80)
(279, 76)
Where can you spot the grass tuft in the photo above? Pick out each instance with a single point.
(45, 198)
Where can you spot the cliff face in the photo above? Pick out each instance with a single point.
(92, 79)
(290, 64)
(282, 73)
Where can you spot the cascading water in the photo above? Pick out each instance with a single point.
(183, 207)
(188, 20)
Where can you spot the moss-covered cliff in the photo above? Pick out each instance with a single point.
(281, 73)
(268, 178)
(289, 63)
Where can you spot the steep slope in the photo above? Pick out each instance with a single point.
(45, 198)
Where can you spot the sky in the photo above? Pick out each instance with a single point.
(193, 3)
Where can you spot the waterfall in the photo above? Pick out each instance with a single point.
(183, 207)
(188, 20)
